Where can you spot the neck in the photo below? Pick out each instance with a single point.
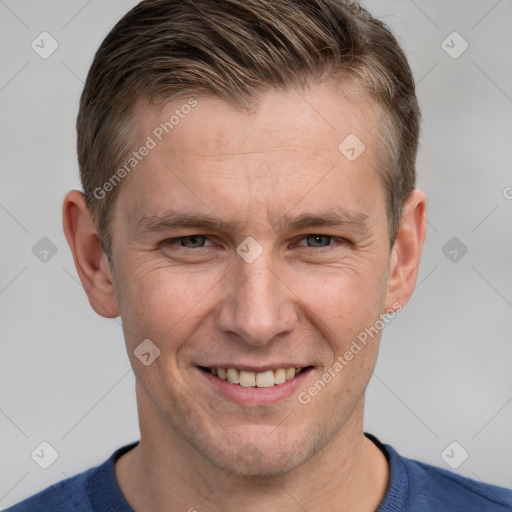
(165, 473)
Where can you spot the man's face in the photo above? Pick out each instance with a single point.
(295, 294)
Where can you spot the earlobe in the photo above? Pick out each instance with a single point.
(406, 253)
(90, 260)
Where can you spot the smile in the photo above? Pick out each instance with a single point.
(248, 379)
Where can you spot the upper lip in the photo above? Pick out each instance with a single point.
(255, 369)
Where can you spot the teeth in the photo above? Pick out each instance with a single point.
(265, 379)
(248, 379)
(279, 375)
(233, 376)
(290, 373)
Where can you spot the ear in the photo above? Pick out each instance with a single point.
(406, 252)
(90, 260)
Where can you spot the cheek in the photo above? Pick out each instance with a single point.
(167, 304)
(162, 303)
(346, 311)
(343, 301)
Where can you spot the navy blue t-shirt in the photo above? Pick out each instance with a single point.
(413, 487)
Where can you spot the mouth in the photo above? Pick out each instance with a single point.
(249, 379)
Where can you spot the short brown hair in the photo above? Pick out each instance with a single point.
(236, 49)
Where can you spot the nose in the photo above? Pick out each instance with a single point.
(257, 305)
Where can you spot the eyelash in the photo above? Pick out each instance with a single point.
(174, 241)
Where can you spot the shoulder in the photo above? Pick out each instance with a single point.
(442, 488)
(417, 486)
(63, 496)
(93, 490)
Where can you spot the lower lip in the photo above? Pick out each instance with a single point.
(255, 396)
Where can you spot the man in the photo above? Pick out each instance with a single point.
(250, 212)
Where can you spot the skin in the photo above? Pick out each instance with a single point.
(304, 299)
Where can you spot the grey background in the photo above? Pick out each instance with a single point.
(444, 369)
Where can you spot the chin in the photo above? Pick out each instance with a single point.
(253, 462)
(250, 456)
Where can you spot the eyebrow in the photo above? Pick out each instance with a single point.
(174, 219)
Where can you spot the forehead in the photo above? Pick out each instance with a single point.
(204, 125)
(293, 146)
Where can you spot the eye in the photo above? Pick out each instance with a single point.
(318, 240)
(189, 242)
